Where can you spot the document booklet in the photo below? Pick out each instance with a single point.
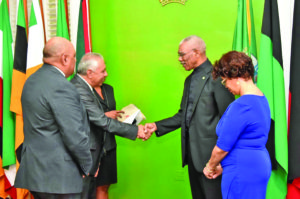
(131, 115)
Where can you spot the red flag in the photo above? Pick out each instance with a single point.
(294, 110)
(84, 31)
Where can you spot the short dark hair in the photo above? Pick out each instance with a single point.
(234, 64)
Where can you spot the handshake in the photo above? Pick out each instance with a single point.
(145, 132)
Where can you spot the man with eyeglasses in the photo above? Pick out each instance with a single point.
(203, 103)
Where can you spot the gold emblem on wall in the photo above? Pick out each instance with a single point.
(165, 2)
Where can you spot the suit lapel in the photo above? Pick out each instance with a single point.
(92, 93)
(186, 93)
(82, 83)
(200, 85)
(201, 81)
(99, 99)
(105, 100)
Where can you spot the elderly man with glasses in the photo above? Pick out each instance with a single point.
(203, 103)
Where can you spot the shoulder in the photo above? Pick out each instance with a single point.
(187, 79)
(218, 87)
(79, 84)
(240, 105)
(108, 88)
(216, 84)
(62, 94)
(75, 80)
(65, 87)
(83, 90)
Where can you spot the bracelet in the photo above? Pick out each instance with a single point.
(210, 170)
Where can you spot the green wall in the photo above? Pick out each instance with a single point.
(139, 41)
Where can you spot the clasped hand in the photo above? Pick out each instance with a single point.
(146, 131)
(213, 174)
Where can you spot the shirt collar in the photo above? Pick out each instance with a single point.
(202, 66)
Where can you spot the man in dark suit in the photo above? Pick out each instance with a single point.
(94, 95)
(203, 103)
(56, 153)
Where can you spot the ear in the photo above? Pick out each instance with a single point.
(65, 59)
(197, 52)
(89, 73)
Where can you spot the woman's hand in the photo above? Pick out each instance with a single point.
(213, 173)
(114, 114)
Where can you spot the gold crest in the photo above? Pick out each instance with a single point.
(165, 2)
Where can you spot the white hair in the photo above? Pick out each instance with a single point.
(197, 41)
(88, 61)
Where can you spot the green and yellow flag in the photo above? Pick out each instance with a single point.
(244, 34)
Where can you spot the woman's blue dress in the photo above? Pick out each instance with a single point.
(243, 132)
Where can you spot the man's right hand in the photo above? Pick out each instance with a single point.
(150, 128)
(141, 132)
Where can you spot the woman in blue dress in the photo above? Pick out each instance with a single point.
(242, 133)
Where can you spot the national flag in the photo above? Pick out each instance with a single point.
(36, 42)
(6, 68)
(3, 194)
(36, 39)
(10, 175)
(7, 177)
(244, 40)
(18, 80)
(7, 117)
(294, 110)
(62, 29)
(271, 82)
(84, 44)
(244, 33)
(19, 76)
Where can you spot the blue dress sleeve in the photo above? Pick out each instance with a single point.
(231, 125)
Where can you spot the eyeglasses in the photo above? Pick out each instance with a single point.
(223, 82)
(183, 54)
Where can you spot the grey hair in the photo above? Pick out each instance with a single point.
(88, 61)
(198, 42)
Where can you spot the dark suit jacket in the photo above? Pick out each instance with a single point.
(55, 150)
(99, 123)
(212, 99)
(108, 104)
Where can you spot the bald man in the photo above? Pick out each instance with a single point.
(56, 153)
(203, 103)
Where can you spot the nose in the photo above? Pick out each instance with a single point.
(180, 58)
